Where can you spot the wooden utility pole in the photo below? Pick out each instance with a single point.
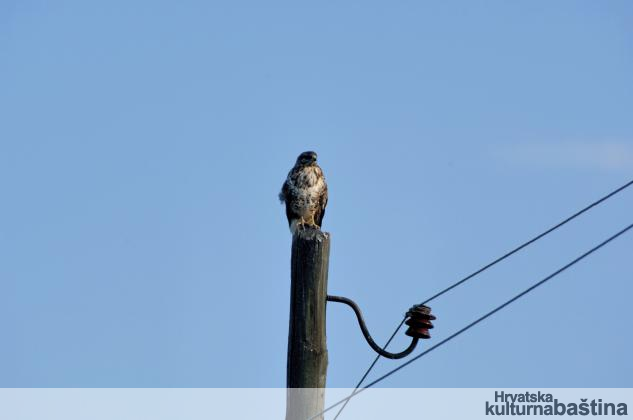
(307, 349)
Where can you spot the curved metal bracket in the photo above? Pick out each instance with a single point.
(363, 327)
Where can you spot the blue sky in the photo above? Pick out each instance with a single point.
(143, 144)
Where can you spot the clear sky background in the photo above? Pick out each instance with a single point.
(143, 144)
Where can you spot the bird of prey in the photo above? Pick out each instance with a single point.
(304, 193)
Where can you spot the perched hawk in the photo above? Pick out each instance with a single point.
(305, 193)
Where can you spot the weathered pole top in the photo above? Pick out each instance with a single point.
(309, 233)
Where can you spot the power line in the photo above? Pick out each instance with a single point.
(480, 319)
(484, 268)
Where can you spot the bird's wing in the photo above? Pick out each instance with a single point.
(320, 211)
(285, 196)
(285, 189)
(290, 215)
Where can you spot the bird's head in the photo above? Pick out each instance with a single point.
(307, 159)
